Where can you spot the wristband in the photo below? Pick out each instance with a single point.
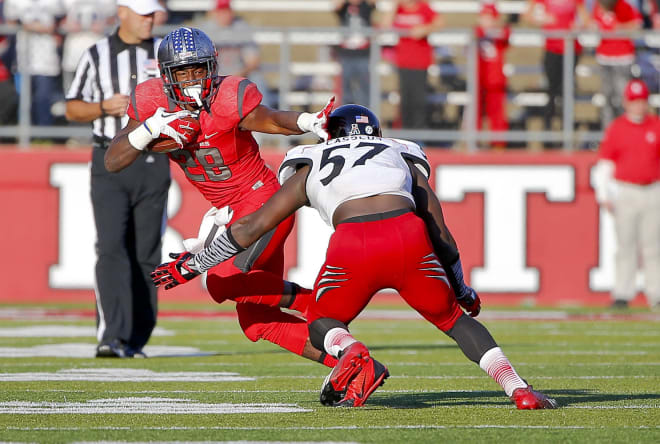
(140, 137)
(305, 122)
(457, 269)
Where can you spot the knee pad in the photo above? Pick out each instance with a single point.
(319, 328)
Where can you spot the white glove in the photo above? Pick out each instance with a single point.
(316, 123)
(212, 226)
(156, 125)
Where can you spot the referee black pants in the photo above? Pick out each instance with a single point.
(129, 213)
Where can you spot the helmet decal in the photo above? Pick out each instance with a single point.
(350, 120)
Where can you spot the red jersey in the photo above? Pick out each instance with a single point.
(413, 53)
(615, 50)
(563, 12)
(492, 45)
(634, 148)
(224, 163)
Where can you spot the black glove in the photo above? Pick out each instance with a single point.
(465, 295)
(181, 270)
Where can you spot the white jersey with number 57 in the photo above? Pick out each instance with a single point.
(354, 167)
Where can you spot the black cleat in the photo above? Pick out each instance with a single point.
(114, 349)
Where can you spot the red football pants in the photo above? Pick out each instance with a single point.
(365, 257)
(258, 291)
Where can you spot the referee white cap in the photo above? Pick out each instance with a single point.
(142, 7)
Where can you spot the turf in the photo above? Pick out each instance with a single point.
(605, 374)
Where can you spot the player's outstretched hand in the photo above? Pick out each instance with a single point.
(317, 123)
(181, 270)
(470, 301)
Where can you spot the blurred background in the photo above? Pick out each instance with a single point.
(300, 52)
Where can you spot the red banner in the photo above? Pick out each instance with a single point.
(527, 225)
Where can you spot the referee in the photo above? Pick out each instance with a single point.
(129, 206)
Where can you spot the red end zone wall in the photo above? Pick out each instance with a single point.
(527, 225)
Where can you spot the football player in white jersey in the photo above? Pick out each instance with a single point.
(389, 233)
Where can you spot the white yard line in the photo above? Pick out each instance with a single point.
(144, 406)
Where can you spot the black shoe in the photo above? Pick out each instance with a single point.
(619, 304)
(139, 353)
(115, 349)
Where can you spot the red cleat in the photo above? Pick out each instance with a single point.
(349, 365)
(371, 377)
(528, 399)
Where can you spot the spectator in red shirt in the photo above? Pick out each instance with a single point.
(627, 184)
(413, 55)
(556, 15)
(493, 40)
(615, 55)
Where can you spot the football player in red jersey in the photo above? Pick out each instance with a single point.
(224, 164)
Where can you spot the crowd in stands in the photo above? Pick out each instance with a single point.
(53, 34)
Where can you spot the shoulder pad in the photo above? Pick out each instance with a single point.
(146, 98)
(413, 152)
(294, 158)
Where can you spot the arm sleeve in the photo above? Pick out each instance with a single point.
(82, 86)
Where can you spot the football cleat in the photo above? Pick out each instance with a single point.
(328, 394)
(528, 399)
(372, 376)
(349, 365)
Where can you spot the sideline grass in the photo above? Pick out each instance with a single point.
(605, 374)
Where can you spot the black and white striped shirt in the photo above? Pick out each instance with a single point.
(111, 66)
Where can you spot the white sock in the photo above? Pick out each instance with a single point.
(336, 340)
(500, 369)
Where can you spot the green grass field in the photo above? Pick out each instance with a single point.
(206, 383)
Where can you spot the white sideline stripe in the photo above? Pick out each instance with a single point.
(78, 350)
(133, 405)
(124, 375)
(62, 331)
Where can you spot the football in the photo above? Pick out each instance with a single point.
(188, 127)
